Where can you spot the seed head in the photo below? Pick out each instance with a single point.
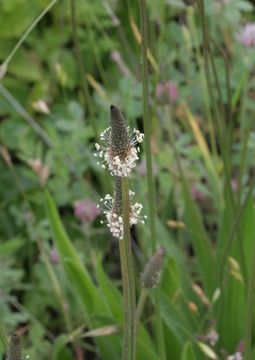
(120, 154)
(14, 349)
(112, 208)
(119, 133)
(151, 275)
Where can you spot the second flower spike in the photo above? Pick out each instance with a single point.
(120, 153)
(112, 208)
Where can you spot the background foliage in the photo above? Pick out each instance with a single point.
(54, 101)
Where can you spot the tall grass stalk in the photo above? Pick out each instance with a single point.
(250, 312)
(26, 116)
(222, 131)
(27, 32)
(128, 279)
(150, 180)
(84, 85)
(206, 102)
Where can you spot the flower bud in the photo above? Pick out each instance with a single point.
(54, 256)
(151, 275)
(167, 92)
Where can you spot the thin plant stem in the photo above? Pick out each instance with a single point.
(223, 129)
(245, 137)
(60, 297)
(140, 307)
(233, 233)
(150, 180)
(84, 85)
(227, 76)
(17, 305)
(206, 102)
(27, 32)
(221, 126)
(250, 313)
(56, 287)
(128, 279)
(26, 116)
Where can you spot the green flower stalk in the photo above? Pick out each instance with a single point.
(120, 156)
(151, 183)
(14, 348)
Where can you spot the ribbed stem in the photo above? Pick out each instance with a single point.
(150, 180)
(128, 279)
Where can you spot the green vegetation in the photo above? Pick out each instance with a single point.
(182, 72)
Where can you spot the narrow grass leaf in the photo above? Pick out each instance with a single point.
(70, 259)
(188, 352)
(200, 240)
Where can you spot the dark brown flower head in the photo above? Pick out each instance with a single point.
(120, 154)
(151, 275)
(14, 349)
(112, 208)
(120, 141)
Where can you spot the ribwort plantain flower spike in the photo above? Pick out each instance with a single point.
(112, 208)
(151, 275)
(121, 153)
(14, 349)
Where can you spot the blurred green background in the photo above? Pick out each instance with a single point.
(55, 93)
